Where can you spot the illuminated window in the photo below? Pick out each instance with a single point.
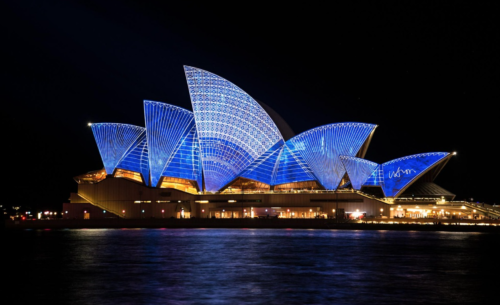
(135, 176)
(179, 184)
(91, 177)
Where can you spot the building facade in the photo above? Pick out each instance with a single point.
(228, 158)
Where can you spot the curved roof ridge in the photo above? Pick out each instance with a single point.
(239, 89)
(117, 124)
(285, 129)
(333, 125)
(166, 104)
(416, 156)
(357, 159)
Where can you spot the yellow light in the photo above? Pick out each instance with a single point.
(89, 124)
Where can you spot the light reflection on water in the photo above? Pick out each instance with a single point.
(254, 266)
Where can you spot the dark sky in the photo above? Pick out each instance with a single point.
(426, 73)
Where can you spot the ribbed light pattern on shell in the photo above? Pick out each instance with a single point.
(136, 159)
(263, 168)
(233, 129)
(166, 126)
(376, 178)
(321, 147)
(186, 161)
(292, 167)
(113, 141)
(359, 170)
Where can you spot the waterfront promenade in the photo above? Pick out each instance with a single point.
(422, 224)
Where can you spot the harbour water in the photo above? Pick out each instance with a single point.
(250, 266)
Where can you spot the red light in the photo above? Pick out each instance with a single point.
(203, 211)
(85, 212)
(123, 211)
(163, 211)
(24, 218)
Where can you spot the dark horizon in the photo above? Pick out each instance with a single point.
(426, 74)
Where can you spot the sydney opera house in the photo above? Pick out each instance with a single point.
(233, 157)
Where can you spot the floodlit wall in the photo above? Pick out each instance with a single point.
(117, 195)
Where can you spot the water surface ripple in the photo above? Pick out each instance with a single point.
(251, 266)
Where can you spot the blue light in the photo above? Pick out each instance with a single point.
(230, 135)
(113, 141)
(263, 168)
(400, 173)
(233, 129)
(358, 170)
(291, 167)
(186, 162)
(376, 177)
(321, 147)
(136, 159)
(167, 126)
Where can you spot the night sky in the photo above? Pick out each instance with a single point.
(426, 73)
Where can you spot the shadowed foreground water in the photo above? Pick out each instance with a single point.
(258, 266)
